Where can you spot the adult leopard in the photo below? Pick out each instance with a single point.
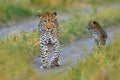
(48, 29)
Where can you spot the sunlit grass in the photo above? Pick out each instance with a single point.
(16, 54)
(26, 43)
(14, 65)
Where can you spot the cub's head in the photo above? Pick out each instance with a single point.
(92, 25)
(48, 20)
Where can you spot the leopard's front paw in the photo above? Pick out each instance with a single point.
(43, 67)
(55, 64)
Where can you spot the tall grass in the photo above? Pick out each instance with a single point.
(11, 11)
(16, 53)
(99, 65)
(25, 43)
(100, 2)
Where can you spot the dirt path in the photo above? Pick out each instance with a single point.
(69, 56)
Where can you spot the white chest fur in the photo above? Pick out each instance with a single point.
(95, 36)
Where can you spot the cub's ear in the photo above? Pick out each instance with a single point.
(38, 13)
(55, 13)
(94, 22)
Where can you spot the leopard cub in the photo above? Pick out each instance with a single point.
(99, 34)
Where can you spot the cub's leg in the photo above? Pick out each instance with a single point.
(56, 48)
(96, 42)
(102, 42)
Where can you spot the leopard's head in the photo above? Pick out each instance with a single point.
(92, 25)
(48, 20)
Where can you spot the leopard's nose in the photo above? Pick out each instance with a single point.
(48, 28)
(87, 28)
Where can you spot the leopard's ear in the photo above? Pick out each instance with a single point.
(94, 22)
(39, 13)
(55, 13)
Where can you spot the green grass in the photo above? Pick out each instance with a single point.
(100, 2)
(16, 53)
(15, 60)
(15, 10)
(12, 11)
(25, 43)
(99, 65)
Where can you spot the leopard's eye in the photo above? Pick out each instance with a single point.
(52, 20)
(44, 20)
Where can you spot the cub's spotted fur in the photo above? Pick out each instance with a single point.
(99, 34)
(48, 34)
